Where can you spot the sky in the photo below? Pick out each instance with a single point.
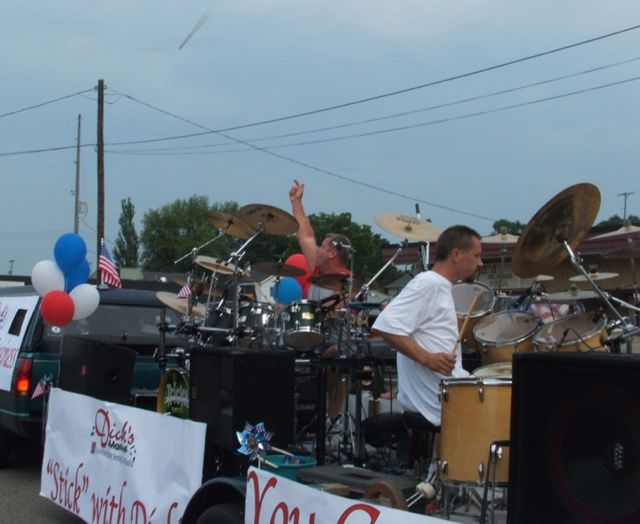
(459, 106)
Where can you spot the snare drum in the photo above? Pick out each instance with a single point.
(573, 333)
(475, 413)
(501, 334)
(258, 325)
(302, 325)
(499, 369)
(173, 393)
(463, 295)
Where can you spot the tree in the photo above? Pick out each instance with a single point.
(617, 221)
(127, 249)
(513, 228)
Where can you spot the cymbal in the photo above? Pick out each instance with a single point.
(568, 216)
(271, 220)
(594, 276)
(231, 224)
(181, 305)
(200, 287)
(274, 268)
(543, 278)
(500, 238)
(335, 281)
(573, 294)
(408, 227)
(626, 252)
(217, 265)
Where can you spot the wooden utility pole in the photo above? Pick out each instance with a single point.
(76, 207)
(100, 146)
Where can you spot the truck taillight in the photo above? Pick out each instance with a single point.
(23, 378)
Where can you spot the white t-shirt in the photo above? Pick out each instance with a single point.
(424, 310)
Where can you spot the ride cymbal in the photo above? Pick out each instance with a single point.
(274, 268)
(233, 225)
(593, 276)
(566, 217)
(181, 305)
(335, 281)
(408, 227)
(271, 220)
(217, 265)
(200, 288)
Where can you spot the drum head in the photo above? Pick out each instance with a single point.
(500, 369)
(569, 330)
(463, 295)
(505, 327)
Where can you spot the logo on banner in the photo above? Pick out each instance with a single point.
(4, 313)
(117, 443)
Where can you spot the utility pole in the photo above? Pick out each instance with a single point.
(100, 146)
(626, 195)
(76, 207)
(11, 265)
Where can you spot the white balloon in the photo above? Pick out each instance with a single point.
(47, 276)
(86, 299)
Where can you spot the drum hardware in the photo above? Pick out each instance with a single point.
(495, 455)
(182, 305)
(363, 294)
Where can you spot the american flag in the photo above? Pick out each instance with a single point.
(185, 291)
(108, 271)
(41, 386)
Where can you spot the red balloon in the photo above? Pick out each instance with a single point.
(298, 260)
(57, 308)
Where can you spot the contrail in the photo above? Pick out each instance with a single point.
(198, 25)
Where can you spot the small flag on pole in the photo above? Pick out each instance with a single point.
(42, 386)
(185, 291)
(108, 270)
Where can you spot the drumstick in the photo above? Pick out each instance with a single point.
(466, 319)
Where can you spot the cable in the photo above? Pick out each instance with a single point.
(45, 103)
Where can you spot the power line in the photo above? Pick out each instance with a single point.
(42, 104)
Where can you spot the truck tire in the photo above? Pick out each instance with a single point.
(6, 446)
(228, 513)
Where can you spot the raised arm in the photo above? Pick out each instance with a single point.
(306, 235)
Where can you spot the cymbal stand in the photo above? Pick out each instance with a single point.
(363, 294)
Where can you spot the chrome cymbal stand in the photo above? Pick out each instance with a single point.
(363, 294)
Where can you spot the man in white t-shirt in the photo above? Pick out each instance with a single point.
(421, 323)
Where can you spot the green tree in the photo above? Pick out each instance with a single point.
(127, 248)
(513, 228)
(617, 221)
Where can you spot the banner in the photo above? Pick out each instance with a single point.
(15, 313)
(272, 498)
(108, 463)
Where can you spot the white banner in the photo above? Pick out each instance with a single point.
(272, 498)
(15, 313)
(115, 464)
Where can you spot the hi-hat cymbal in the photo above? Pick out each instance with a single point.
(566, 217)
(408, 227)
(271, 220)
(217, 265)
(594, 276)
(573, 294)
(181, 305)
(274, 268)
(500, 238)
(200, 288)
(231, 224)
(626, 252)
(335, 281)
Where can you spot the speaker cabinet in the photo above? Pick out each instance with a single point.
(575, 438)
(97, 369)
(232, 386)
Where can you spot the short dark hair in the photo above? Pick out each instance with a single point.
(455, 237)
(344, 255)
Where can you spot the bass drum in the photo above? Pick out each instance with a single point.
(502, 334)
(575, 333)
(463, 295)
(173, 393)
(258, 325)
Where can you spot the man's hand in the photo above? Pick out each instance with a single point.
(296, 192)
(440, 362)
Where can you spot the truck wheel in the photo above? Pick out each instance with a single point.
(6, 445)
(223, 514)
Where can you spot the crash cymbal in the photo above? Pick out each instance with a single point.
(181, 305)
(626, 252)
(271, 220)
(408, 227)
(200, 287)
(335, 281)
(573, 294)
(594, 276)
(543, 278)
(231, 224)
(217, 265)
(500, 238)
(274, 268)
(566, 217)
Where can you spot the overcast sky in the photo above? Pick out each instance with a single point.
(464, 149)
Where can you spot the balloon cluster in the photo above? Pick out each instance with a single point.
(298, 260)
(62, 284)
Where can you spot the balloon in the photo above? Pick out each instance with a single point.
(57, 308)
(46, 276)
(298, 260)
(69, 251)
(289, 290)
(85, 299)
(77, 276)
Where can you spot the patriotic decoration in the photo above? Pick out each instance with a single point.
(42, 386)
(185, 291)
(254, 441)
(108, 270)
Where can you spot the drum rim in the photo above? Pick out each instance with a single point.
(505, 341)
(600, 325)
(463, 314)
(476, 381)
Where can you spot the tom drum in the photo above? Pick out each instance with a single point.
(463, 295)
(575, 333)
(502, 334)
(302, 325)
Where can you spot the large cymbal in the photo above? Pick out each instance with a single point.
(594, 276)
(408, 227)
(217, 265)
(274, 268)
(231, 224)
(626, 252)
(271, 220)
(181, 305)
(200, 288)
(335, 281)
(566, 217)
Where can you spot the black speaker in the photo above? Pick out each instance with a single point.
(97, 369)
(232, 386)
(575, 438)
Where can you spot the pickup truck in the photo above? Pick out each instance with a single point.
(30, 350)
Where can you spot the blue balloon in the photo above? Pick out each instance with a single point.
(78, 276)
(289, 290)
(69, 252)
